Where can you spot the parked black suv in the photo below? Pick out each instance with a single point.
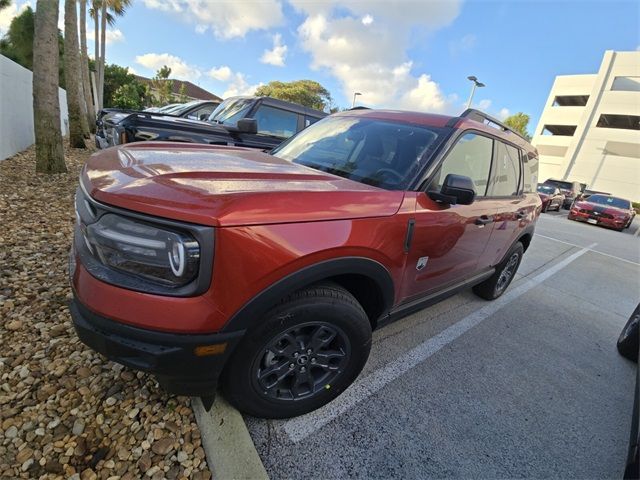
(258, 122)
(107, 117)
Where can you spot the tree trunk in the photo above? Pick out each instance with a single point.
(72, 74)
(103, 41)
(84, 67)
(46, 106)
(96, 56)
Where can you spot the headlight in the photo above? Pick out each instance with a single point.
(163, 256)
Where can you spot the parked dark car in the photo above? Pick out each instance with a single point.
(108, 117)
(604, 210)
(572, 191)
(628, 345)
(550, 196)
(256, 122)
(270, 270)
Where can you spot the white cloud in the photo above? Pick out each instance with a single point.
(225, 18)
(367, 19)
(484, 104)
(9, 13)
(237, 83)
(463, 44)
(222, 74)
(179, 68)
(503, 113)
(371, 57)
(112, 36)
(277, 54)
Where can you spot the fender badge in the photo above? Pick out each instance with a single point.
(422, 262)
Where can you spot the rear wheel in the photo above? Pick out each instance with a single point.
(497, 283)
(304, 353)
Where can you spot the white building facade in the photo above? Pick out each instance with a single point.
(589, 130)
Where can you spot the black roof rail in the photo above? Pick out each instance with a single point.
(478, 116)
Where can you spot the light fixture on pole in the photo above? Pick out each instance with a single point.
(355, 94)
(476, 83)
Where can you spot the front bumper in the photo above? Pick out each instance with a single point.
(600, 221)
(170, 357)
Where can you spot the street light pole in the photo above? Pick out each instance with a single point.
(476, 83)
(355, 94)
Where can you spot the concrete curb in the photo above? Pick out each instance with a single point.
(228, 446)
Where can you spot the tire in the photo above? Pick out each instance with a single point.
(628, 343)
(558, 209)
(545, 207)
(277, 370)
(497, 284)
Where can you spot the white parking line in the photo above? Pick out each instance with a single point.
(588, 248)
(301, 427)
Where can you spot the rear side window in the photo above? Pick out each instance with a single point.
(530, 173)
(471, 157)
(276, 122)
(507, 171)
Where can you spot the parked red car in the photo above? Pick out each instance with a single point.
(604, 210)
(269, 271)
(550, 197)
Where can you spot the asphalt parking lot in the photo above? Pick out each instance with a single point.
(530, 385)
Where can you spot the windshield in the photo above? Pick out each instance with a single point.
(559, 184)
(180, 108)
(610, 201)
(231, 110)
(548, 189)
(168, 108)
(376, 152)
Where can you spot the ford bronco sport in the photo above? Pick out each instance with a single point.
(266, 273)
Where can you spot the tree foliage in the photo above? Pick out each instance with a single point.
(17, 43)
(163, 87)
(519, 123)
(304, 92)
(133, 93)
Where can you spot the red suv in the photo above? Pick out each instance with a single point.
(267, 272)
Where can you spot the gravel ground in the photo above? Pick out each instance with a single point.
(65, 411)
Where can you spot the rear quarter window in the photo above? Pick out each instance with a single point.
(530, 172)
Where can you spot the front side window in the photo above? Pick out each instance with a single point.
(507, 168)
(276, 122)
(471, 157)
(381, 153)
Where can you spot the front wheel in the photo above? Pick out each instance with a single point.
(496, 284)
(303, 354)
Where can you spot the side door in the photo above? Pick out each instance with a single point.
(448, 240)
(514, 210)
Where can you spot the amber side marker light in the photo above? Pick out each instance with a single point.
(205, 350)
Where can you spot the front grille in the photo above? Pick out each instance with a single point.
(595, 214)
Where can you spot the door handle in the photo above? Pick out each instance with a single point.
(483, 220)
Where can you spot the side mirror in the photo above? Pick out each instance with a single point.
(204, 116)
(247, 125)
(456, 189)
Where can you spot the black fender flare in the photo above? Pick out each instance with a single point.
(251, 312)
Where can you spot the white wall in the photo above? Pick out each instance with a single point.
(16, 108)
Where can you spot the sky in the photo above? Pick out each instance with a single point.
(405, 54)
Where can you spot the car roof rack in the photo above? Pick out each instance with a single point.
(478, 116)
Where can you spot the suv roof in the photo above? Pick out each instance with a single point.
(290, 106)
(470, 118)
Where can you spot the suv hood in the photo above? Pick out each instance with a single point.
(226, 186)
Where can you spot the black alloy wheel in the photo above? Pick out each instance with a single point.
(301, 361)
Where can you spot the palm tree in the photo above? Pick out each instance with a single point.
(108, 11)
(72, 75)
(84, 67)
(46, 107)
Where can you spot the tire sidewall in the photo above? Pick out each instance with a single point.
(346, 317)
(516, 248)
